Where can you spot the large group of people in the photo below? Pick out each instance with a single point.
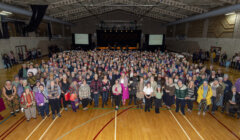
(145, 79)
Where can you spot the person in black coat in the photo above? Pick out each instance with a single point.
(232, 105)
(22, 73)
(133, 90)
(227, 90)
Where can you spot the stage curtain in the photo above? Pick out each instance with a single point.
(49, 31)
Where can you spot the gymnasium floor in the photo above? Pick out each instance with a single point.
(128, 123)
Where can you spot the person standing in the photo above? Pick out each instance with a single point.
(191, 95)
(133, 91)
(148, 91)
(158, 100)
(74, 90)
(84, 94)
(169, 93)
(10, 95)
(28, 104)
(42, 101)
(105, 90)
(124, 85)
(95, 89)
(140, 94)
(54, 91)
(64, 85)
(204, 97)
(181, 92)
(215, 86)
(154, 86)
(117, 91)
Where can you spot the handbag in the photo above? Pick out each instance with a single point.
(2, 106)
(73, 97)
(67, 96)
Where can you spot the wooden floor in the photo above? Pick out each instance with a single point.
(128, 123)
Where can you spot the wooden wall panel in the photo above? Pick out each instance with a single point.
(221, 26)
(67, 31)
(57, 29)
(12, 29)
(42, 29)
(169, 31)
(180, 29)
(195, 28)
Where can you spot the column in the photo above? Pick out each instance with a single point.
(236, 33)
(205, 28)
(186, 29)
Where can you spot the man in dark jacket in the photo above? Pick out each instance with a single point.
(180, 95)
(22, 73)
(232, 105)
(227, 90)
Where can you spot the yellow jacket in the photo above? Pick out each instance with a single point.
(200, 94)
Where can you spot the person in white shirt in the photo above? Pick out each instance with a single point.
(148, 91)
(32, 69)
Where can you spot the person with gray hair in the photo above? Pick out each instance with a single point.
(54, 91)
(233, 100)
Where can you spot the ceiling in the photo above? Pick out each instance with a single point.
(163, 10)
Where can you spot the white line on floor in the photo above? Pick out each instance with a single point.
(115, 132)
(180, 125)
(193, 127)
(49, 127)
(36, 127)
(84, 124)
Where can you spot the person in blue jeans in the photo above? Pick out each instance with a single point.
(95, 86)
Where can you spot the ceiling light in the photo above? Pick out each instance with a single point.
(5, 13)
(232, 13)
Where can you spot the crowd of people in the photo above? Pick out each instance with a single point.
(145, 79)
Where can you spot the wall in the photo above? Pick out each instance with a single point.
(228, 45)
(32, 42)
(219, 31)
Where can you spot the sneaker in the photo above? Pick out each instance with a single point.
(53, 117)
(199, 113)
(59, 115)
(204, 113)
(65, 109)
(213, 113)
(17, 110)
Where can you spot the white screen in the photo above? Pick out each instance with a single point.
(155, 39)
(81, 39)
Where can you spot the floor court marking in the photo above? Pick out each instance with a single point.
(6, 119)
(11, 126)
(36, 127)
(115, 132)
(180, 125)
(225, 126)
(193, 127)
(99, 116)
(49, 126)
(14, 128)
(110, 122)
